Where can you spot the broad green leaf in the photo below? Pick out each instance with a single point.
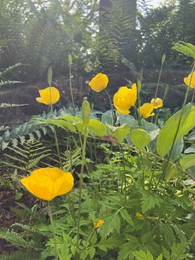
(190, 149)
(120, 132)
(59, 123)
(169, 130)
(73, 119)
(140, 138)
(107, 117)
(187, 161)
(177, 150)
(128, 119)
(96, 127)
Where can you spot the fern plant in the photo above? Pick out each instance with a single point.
(25, 157)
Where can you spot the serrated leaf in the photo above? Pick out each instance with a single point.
(141, 255)
(126, 216)
(116, 222)
(109, 243)
(160, 257)
(149, 201)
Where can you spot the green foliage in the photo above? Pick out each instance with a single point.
(167, 138)
(26, 156)
(133, 193)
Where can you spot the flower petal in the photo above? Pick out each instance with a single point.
(156, 102)
(48, 96)
(146, 110)
(48, 183)
(99, 82)
(125, 98)
(190, 80)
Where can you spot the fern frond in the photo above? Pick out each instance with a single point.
(26, 156)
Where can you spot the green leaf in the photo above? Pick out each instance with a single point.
(140, 138)
(187, 161)
(171, 172)
(169, 130)
(177, 150)
(73, 119)
(149, 201)
(96, 127)
(120, 132)
(107, 117)
(185, 48)
(127, 119)
(141, 255)
(126, 216)
(160, 257)
(59, 123)
(109, 243)
(116, 222)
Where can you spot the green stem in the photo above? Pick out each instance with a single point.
(111, 106)
(124, 173)
(57, 256)
(57, 146)
(81, 182)
(159, 77)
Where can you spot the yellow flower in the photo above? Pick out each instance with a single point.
(190, 80)
(156, 102)
(48, 183)
(48, 96)
(98, 223)
(139, 216)
(125, 98)
(146, 110)
(99, 82)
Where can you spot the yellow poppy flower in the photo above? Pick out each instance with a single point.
(156, 102)
(125, 98)
(98, 223)
(99, 82)
(146, 110)
(190, 80)
(48, 183)
(48, 96)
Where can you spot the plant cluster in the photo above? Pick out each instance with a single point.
(117, 187)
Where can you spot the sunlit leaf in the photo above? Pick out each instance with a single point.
(187, 161)
(169, 130)
(140, 138)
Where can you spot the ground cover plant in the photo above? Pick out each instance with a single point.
(112, 185)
